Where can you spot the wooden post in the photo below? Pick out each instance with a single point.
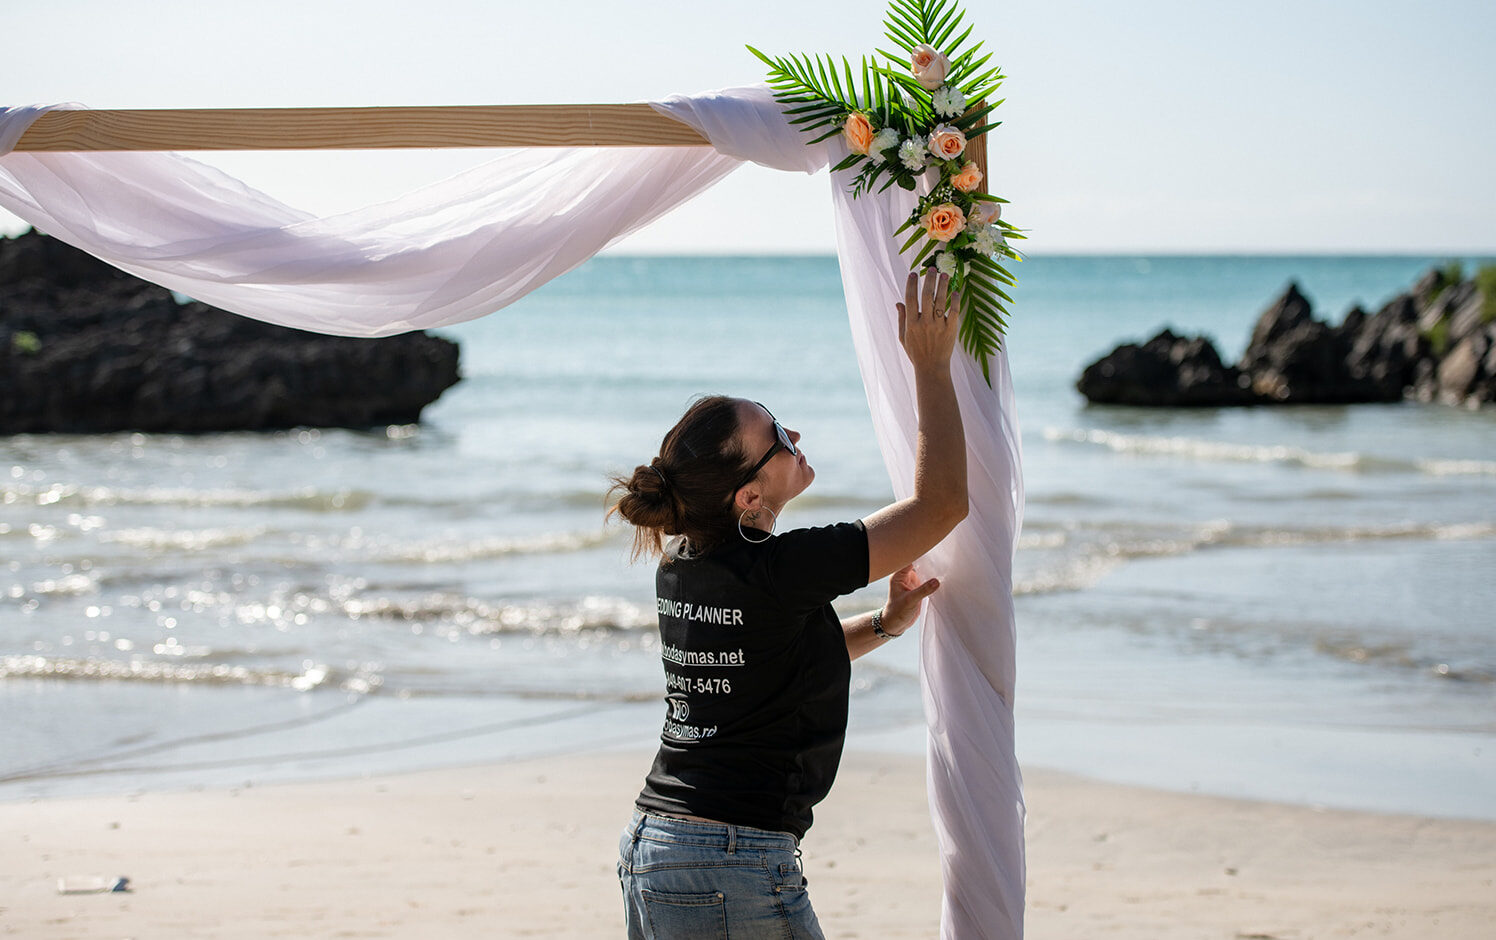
(563, 125)
(976, 149)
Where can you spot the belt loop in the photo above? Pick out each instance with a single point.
(732, 839)
(639, 820)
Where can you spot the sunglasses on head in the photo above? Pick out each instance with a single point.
(781, 440)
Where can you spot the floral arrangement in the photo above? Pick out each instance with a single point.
(908, 120)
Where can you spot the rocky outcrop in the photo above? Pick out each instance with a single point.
(1437, 342)
(1167, 370)
(85, 347)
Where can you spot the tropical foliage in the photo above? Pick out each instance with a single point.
(906, 122)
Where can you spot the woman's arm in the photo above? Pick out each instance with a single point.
(899, 533)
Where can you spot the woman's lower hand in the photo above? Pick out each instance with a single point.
(906, 595)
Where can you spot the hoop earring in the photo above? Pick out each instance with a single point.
(755, 515)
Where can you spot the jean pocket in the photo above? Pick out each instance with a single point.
(685, 915)
(791, 878)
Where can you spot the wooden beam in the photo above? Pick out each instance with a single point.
(563, 125)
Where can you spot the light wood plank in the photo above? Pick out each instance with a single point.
(976, 149)
(567, 125)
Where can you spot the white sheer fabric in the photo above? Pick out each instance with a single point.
(452, 251)
(469, 245)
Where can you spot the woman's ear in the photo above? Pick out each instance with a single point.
(748, 499)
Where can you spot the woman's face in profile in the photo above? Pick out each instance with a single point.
(786, 475)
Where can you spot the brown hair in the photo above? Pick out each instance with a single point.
(689, 488)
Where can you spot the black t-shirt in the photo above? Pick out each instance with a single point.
(756, 677)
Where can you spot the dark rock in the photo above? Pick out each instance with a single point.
(1458, 371)
(1286, 314)
(1388, 348)
(1431, 343)
(1465, 310)
(85, 347)
(1167, 370)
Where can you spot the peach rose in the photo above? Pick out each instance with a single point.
(858, 132)
(985, 213)
(944, 222)
(929, 67)
(947, 142)
(968, 179)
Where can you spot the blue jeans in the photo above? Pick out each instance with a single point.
(710, 880)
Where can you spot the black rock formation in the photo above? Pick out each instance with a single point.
(1437, 342)
(1166, 370)
(85, 347)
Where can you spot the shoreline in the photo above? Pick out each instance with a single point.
(528, 847)
(1303, 760)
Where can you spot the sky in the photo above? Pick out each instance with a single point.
(1153, 126)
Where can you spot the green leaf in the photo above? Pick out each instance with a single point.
(970, 87)
(813, 107)
(901, 61)
(911, 26)
(963, 63)
(956, 44)
(972, 118)
(835, 79)
(945, 27)
(851, 85)
(929, 247)
(979, 131)
(763, 58)
(900, 32)
(850, 161)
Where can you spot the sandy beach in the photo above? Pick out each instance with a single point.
(527, 849)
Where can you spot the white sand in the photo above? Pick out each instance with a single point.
(528, 849)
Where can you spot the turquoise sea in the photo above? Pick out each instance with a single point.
(1291, 603)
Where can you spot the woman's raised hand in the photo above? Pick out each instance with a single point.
(928, 320)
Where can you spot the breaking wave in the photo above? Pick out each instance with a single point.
(69, 494)
(1099, 552)
(1224, 452)
(310, 677)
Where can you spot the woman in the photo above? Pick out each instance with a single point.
(757, 664)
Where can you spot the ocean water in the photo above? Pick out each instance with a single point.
(1288, 603)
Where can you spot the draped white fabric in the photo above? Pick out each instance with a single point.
(469, 245)
(452, 251)
(968, 640)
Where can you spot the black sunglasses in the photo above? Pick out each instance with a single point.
(782, 440)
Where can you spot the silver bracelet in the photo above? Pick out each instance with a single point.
(878, 630)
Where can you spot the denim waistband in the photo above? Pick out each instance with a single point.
(725, 836)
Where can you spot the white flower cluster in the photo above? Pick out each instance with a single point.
(882, 141)
(949, 101)
(984, 241)
(912, 153)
